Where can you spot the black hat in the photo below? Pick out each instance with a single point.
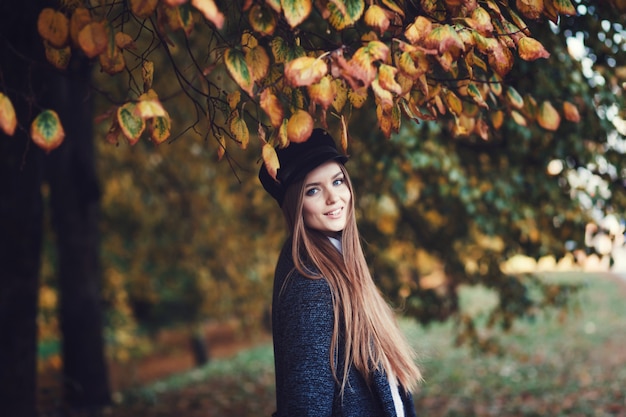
(297, 160)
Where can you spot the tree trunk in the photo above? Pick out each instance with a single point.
(21, 212)
(74, 197)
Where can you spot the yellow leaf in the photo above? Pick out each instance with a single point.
(305, 70)
(341, 94)
(272, 107)
(343, 13)
(518, 118)
(143, 8)
(357, 97)
(497, 118)
(258, 62)
(233, 99)
(270, 159)
(239, 129)
(93, 39)
(530, 49)
(159, 128)
(210, 11)
(376, 17)
(323, 92)
(296, 11)
(548, 117)
(54, 27)
(384, 121)
(454, 103)
(8, 119)
(571, 112)
(443, 38)
(149, 106)
(80, 18)
(418, 30)
(299, 126)
(384, 98)
(282, 136)
(344, 135)
(481, 21)
(387, 78)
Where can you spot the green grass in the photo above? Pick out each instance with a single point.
(552, 366)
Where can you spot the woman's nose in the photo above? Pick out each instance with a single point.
(331, 196)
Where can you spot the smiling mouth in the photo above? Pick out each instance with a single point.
(334, 212)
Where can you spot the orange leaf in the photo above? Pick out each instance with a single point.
(305, 70)
(112, 60)
(500, 59)
(8, 120)
(210, 11)
(530, 49)
(159, 128)
(497, 118)
(272, 107)
(80, 18)
(124, 41)
(387, 78)
(143, 8)
(571, 112)
(54, 27)
(221, 147)
(270, 159)
(344, 134)
(548, 117)
(93, 39)
(299, 126)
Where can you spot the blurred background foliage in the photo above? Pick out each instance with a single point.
(188, 240)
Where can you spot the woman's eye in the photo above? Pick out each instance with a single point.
(338, 181)
(311, 191)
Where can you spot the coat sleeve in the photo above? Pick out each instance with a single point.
(305, 383)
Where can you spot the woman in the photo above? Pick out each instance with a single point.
(338, 350)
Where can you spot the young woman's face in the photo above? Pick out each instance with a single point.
(326, 199)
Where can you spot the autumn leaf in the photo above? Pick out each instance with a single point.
(296, 11)
(149, 106)
(131, 124)
(258, 62)
(481, 21)
(443, 38)
(530, 49)
(387, 78)
(323, 92)
(233, 99)
(80, 18)
(270, 159)
(571, 112)
(344, 135)
(239, 129)
(344, 13)
(418, 30)
(454, 103)
(238, 69)
(58, 57)
(210, 11)
(357, 97)
(518, 118)
(530, 8)
(93, 39)
(376, 17)
(476, 95)
(497, 118)
(8, 119)
(299, 126)
(341, 94)
(143, 8)
(262, 19)
(147, 74)
(514, 98)
(124, 41)
(47, 131)
(548, 117)
(305, 70)
(384, 98)
(565, 7)
(159, 128)
(221, 147)
(112, 60)
(272, 107)
(54, 27)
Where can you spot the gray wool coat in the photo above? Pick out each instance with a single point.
(302, 326)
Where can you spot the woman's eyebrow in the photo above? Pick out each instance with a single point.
(310, 184)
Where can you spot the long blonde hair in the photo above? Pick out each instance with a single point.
(373, 340)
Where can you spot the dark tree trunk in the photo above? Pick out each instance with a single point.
(21, 172)
(74, 194)
(74, 197)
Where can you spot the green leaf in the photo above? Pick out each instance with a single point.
(159, 129)
(132, 126)
(262, 19)
(47, 131)
(345, 13)
(514, 98)
(238, 69)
